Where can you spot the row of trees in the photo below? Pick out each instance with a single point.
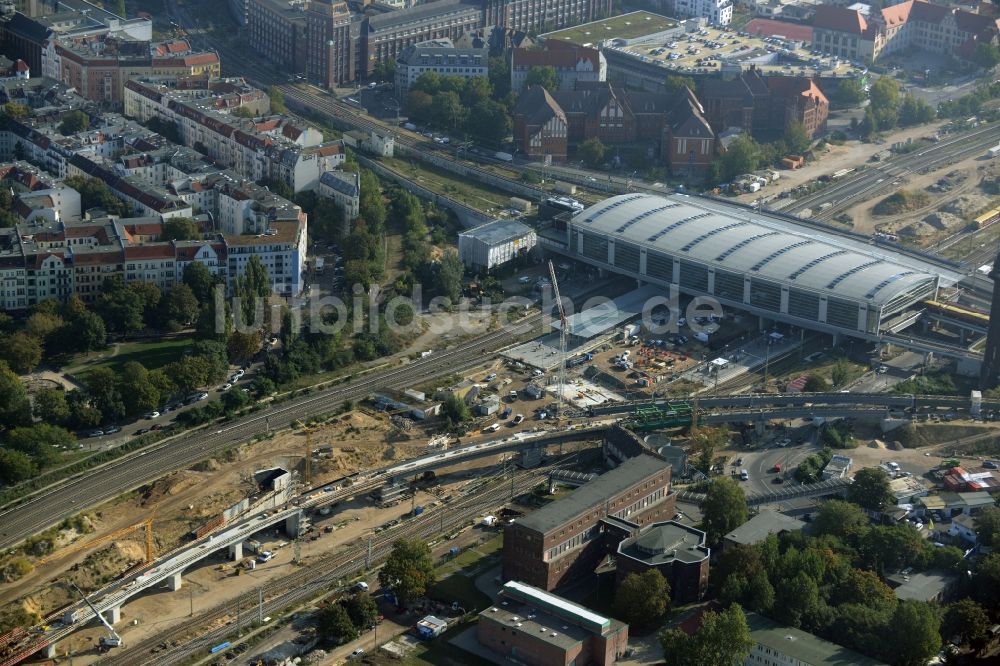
(462, 106)
(889, 108)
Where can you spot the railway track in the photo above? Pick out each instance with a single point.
(319, 575)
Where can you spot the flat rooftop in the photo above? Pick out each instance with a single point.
(762, 525)
(498, 231)
(666, 542)
(803, 647)
(704, 52)
(592, 494)
(626, 26)
(596, 320)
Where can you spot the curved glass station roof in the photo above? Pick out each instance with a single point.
(741, 241)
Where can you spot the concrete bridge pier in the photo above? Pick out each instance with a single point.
(174, 582)
(236, 551)
(50, 651)
(113, 615)
(293, 523)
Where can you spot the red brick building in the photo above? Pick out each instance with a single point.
(551, 123)
(675, 550)
(564, 541)
(764, 106)
(530, 626)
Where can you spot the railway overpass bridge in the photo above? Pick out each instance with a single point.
(823, 488)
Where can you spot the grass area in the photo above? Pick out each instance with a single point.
(470, 193)
(471, 558)
(152, 354)
(460, 588)
(627, 26)
(440, 652)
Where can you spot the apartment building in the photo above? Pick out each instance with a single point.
(278, 30)
(572, 64)
(566, 539)
(271, 147)
(331, 42)
(715, 12)
(98, 69)
(441, 57)
(344, 187)
(539, 16)
(850, 34)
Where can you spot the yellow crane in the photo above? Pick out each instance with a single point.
(146, 524)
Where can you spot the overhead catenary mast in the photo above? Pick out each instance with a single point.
(562, 341)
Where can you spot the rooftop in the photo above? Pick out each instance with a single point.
(744, 242)
(662, 543)
(763, 524)
(626, 26)
(610, 313)
(802, 646)
(922, 586)
(498, 231)
(593, 494)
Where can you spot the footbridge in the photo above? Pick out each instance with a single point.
(824, 488)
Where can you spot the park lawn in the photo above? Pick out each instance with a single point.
(152, 354)
(469, 560)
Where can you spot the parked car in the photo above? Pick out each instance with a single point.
(989, 464)
(96, 433)
(110, 430)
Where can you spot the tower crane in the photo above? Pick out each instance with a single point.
(562, 341)
(113, 640)
(113, 536)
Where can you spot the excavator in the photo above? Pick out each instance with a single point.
(113, 640)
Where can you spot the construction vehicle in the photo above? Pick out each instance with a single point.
(113, 640)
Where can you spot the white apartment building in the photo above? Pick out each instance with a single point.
(439, 56)
(716, 12)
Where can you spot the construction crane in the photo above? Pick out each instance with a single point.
(147, 524)
(307, 463)
(562, 342)
(113, 640)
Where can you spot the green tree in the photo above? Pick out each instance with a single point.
(850, 92)
(816, 384)
(968, 621)
(642, 599)
(362, 610)
(499, 77)
(408, 571)
(179, 228)
(490, 122)
(122, 308)
(888, 548)
(447, 110)
(864, 588)
(43, 325)
(16, 110)
(85, 332)
(675, 84)
(371, 205)
(21, 351)
(986, 582)
(179, 308)
(253, 288)
(723, 509)
(915, 111)
(840, 373)
(987, 55)
(137, 391)
(722, 640)
(870, 489)
(477, 89)
(102, 388)
(418, 104)
(840, 519)
(242, 346)
(760, 595)
(334, 624)
(796, 599)
(50, 406)
(450, 273)
(41, 441)
(544, 76)
(73, 122)
(796, 138)
(869, 124)
(95, 193)
(277, 100)
(455, 410)
(121, 8)
(742, 156)
(591, 152)
(988, 526)
(16, 466)
(914, 634)
(15, 409)
(884, 94)
(200, 281)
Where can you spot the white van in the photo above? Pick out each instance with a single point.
(744, 475)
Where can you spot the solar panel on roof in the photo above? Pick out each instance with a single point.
(886, 282)
(816, 262)
(777, 253)
(717, 230)
(857, 269)
(620, 202)
(743, 243)
(643, 216)
(670, 227)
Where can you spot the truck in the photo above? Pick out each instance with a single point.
(701, 336)
(994, 151)
(504, 157)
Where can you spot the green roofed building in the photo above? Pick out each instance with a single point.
(776, 644)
